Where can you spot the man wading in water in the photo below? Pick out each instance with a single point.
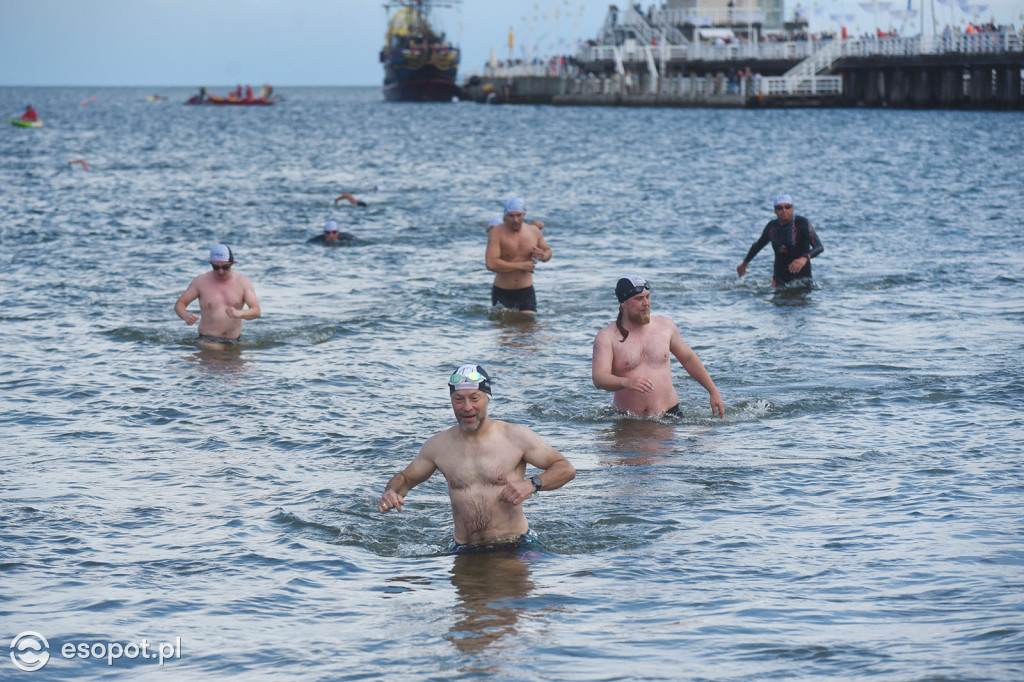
(484, 461)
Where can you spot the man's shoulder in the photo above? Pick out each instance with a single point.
(605, 331)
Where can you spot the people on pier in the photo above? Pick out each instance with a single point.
(792, 238)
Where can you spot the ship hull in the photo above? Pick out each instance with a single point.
(427, 84)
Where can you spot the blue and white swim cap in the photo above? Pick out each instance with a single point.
(221, 254)
(515, 204)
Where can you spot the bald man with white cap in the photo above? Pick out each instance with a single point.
(225, 298)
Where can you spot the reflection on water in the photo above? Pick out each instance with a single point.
(487, 586)
(516, 331)
(219, 359)
(637, 442)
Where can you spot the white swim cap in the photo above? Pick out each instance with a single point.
(330, 226)
(515, 204)
(221, 254)
(783, 199)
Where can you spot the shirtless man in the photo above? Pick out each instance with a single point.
(484, 461)
(631, 357)
(513, 249)
(223, 296)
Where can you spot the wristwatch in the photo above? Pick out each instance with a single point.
(537, 483)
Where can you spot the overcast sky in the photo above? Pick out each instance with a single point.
(305, 42)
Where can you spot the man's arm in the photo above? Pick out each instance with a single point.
(419, 470)
(695, 368)
(542, 251)
(181, 305)
(253, 310)
(756, 247)
(601, 368)
(494, 261)
(557, 469)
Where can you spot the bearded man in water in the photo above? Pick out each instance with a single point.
(631, 357)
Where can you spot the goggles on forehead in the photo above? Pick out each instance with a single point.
(473, 377)
(639, 289)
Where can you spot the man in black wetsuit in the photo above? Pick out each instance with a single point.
(794, 241)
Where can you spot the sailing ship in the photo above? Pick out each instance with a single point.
(419, 63)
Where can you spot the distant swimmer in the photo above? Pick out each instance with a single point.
(331, 236)
(354, 200)
(80, 161)
(484, 462)
(631, 357)
(513, 249)
(225, 299)
(794, 241)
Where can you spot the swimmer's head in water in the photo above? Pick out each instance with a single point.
(515, 204)
(221, 254)
(494, 221)
(629, 286)
(469, 378)
(781, 199)
(330, 226)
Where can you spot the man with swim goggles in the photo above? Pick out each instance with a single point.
(631, 357)
(484, 461)
(331, 235)
(792, 238)
(225, 298)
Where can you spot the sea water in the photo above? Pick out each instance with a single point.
(856, 514)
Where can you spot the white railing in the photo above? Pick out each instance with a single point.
(716, 16)
(814, 85)
(957, 43)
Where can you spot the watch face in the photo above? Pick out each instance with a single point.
(537, 483)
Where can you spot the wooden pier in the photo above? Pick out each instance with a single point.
(980, 71)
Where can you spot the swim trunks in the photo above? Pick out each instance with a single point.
(204, 338)
(524, 543)
(515, 299)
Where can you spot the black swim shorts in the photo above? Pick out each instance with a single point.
(526, 541)
(515, 299)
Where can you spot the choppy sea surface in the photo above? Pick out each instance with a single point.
(858, 514)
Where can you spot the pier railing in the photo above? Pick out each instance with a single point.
(953, 43)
